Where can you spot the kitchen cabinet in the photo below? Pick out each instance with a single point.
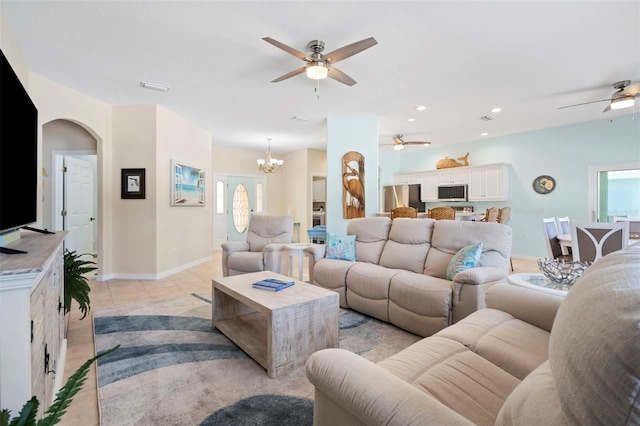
(429, 188)
(453, 176)
(409, 179)
(32, 344)
(488, 183)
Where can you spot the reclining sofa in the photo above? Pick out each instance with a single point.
(529, 358)
(400, 270)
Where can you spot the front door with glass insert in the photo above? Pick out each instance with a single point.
(241, 202)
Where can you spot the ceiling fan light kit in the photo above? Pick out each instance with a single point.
(622, 102)
(317, 70)
(270, 164)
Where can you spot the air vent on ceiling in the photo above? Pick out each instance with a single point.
(486, 118)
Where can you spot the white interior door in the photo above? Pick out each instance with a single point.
(241, 204)
(79, 205)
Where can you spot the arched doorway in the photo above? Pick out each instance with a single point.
(70, 184)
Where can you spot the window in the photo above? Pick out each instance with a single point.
(614, 191)
(219, 197)
(240, 208)
(259, 197)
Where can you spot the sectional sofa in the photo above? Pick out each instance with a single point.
(399, 274)
(529, 358)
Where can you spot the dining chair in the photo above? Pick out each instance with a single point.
(404, 211)
(634, 223)
(491, 215)
(554, 249)
(564, 225)
(504, 214)
(592, 240)
(442, 212)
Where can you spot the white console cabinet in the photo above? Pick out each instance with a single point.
(32, 344)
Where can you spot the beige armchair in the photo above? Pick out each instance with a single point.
(263, 250)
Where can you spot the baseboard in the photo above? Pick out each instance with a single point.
(152, 277)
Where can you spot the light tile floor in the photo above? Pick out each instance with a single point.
(80, 346)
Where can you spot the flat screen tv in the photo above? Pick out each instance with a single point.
(18, 152)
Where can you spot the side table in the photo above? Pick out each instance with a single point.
(538, 282)
(299, 250)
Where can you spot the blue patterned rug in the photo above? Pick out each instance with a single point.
(174, 368)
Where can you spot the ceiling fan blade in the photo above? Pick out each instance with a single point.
(338, 75)
(632, 90)
(417, 143)
(288, 49)
(289, 74)
(585, 103)
(349, 50)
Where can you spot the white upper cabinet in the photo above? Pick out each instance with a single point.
(453, 176)
(489, 183)
(429, 188)
(410, 179)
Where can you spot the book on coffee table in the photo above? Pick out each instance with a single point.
(273, 284)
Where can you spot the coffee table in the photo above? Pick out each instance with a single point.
(538, 282)
(279, 330)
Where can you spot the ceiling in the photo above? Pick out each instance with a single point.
(459, 59)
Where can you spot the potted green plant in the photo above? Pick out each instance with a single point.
(76, 285)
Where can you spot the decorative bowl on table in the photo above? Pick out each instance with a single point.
(562, 272)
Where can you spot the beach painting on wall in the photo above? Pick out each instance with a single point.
(187, 185)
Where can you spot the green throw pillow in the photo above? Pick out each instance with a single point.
(341, 247)
(466, 258)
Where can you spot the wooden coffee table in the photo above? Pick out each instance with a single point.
(279, 330)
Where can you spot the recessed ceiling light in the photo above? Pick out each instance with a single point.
(484, 134)
(421, 108)
(496, 109)
(411, 119)
(154, 86)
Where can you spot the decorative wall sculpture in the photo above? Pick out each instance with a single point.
(352, 185)
(447, 162)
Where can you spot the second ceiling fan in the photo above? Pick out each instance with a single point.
(319, 65)
(624, 97)
(399, 143)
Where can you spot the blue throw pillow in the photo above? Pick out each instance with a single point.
(466, 258)
(341, 247)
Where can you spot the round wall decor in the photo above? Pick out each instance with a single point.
(544, 184)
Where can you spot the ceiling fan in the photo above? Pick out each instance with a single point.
(623, 98)
(399, 143)
(319, 65)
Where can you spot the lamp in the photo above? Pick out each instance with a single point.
(270, 165)
(622, 102)
(317, 70)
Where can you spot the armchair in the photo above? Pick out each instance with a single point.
(263, 249)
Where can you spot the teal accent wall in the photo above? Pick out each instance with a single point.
(346, 134)
(564, 153)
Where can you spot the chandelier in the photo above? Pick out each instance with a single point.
(270, 165)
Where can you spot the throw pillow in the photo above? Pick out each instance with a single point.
(341, 247)
(466, 258)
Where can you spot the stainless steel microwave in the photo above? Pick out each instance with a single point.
(452, 193)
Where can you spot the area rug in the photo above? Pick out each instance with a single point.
(174, 368)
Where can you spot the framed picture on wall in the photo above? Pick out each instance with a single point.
(132, 184)
(187, 185)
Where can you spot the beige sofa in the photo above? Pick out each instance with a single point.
(521, 361)
(399, 275)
